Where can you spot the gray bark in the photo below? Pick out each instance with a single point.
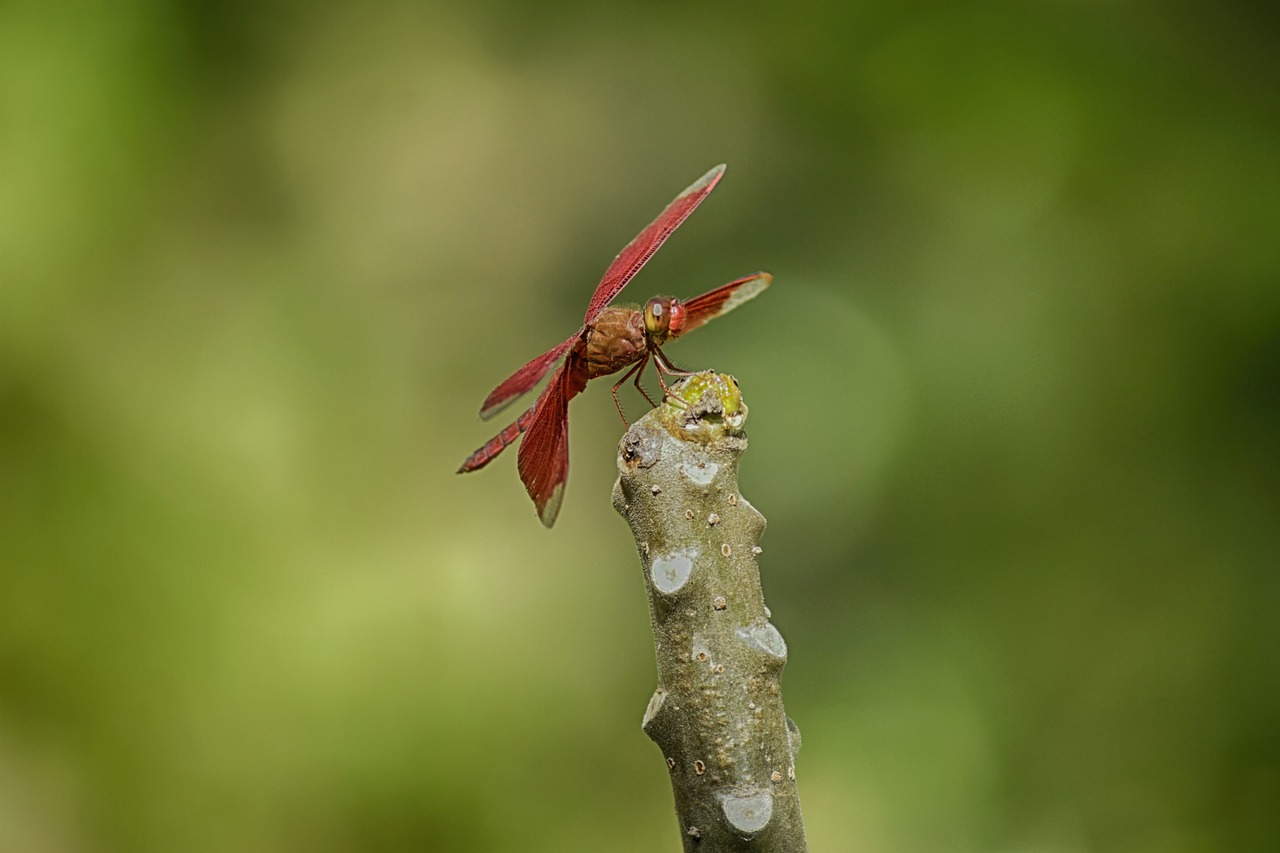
(717, 714)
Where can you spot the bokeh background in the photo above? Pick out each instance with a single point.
(1015, 405)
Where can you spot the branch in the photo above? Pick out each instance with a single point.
(717, 714)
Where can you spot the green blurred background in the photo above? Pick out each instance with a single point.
(1015, 407)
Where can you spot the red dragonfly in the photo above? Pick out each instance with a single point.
(610, 339)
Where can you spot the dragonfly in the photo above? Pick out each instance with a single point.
(612, 337)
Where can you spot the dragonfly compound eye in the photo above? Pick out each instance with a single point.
(657, 316)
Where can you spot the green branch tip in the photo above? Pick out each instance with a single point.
(703, 406)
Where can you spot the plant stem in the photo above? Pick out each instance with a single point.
(717, 714)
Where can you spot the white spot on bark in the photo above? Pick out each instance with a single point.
(670, 572)
(656, 701)
(700, 475)
(748, 814)
(766, 638)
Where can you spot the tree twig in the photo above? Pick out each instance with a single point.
(717, 714)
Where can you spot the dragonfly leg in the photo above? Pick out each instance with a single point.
(665, 366)
(639, 387)
(637, 369)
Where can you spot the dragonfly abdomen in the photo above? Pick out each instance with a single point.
(498, 443)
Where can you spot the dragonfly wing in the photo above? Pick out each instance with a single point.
(722, 300)
(523, 379)
(638, 251)
(543, 459)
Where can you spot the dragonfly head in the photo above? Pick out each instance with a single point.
(663, 318)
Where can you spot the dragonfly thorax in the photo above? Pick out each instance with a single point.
(615, 340)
